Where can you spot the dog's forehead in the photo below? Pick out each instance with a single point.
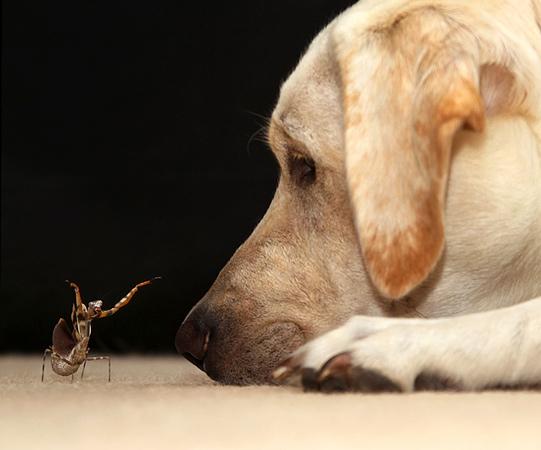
(309, 107)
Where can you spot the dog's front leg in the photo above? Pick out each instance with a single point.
(500, 348)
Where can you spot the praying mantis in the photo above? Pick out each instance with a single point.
(70, 346)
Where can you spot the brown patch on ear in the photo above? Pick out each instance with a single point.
(536, 4)
(464, 105)
(399, 262)
(413, 87)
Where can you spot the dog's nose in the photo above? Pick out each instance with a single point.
(192, 341)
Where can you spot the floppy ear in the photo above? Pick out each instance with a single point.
(408, 87)
(537, 12)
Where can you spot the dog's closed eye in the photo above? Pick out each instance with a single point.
(302, 169)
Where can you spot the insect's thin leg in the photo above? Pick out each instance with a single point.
(83, 371)
(78, 299)
(97, 358)
(125, 300)
(47, 350)
(77, 310)
(72, 378)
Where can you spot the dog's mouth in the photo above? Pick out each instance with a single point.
(199, 363)
(243, 360)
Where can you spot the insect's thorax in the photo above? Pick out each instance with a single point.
(81, 322)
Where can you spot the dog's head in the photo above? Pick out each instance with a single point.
(363, 133)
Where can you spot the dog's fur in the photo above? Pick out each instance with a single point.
(409, 138)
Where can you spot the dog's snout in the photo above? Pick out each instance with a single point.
(192, 341)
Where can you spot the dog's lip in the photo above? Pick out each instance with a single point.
(199, 363)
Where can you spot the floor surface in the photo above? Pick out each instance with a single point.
(157, 403)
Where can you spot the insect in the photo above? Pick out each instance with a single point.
(70, 347)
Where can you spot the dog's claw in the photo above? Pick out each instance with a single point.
(339, 364)
(286, 368)
(282, 373)
(334, 376)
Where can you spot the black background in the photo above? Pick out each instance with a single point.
(127, 153)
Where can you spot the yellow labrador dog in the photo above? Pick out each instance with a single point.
(406, 228)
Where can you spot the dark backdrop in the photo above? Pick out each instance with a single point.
(126, 153)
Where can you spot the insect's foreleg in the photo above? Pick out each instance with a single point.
(125, 300)
(47, 350)
(78, 299)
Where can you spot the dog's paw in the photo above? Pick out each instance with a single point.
(370, 355)
(493, 349)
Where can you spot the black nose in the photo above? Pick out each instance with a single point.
(192, 341)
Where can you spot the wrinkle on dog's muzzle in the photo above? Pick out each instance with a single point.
(192, 341)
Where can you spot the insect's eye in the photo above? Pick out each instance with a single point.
(302, 169)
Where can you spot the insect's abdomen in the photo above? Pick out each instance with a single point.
(68, 364)
(62, 367)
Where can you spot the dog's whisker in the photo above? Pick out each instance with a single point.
(254, 137)
(266, 119)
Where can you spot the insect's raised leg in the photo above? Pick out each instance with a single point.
(78, 310)
(125, 300)
(78, 299)
(97, 358)
(47, 350)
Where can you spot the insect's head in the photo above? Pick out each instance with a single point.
(94, 308)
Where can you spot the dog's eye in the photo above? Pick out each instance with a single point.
(301, 169)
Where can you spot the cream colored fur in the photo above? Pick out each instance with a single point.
(484, 167)
(423, 121)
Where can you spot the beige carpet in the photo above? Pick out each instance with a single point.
(164, 403)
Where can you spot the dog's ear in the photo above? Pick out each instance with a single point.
(408, 87)
(536, 4)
